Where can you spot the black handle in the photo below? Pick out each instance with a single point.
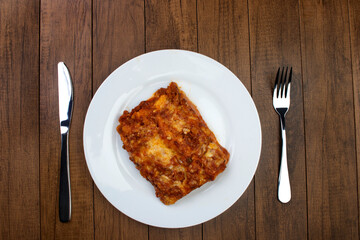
(65, 193)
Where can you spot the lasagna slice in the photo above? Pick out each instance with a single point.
(171, 145)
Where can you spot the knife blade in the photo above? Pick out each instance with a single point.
(65, 111)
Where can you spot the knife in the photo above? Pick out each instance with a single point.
(65, 112)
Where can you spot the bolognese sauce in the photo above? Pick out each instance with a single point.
(171, 145)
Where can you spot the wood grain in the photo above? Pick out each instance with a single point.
(275, 42)
(319, 39)
(118, 36)
(329, 121)
(65, 35)
(171, 24)
(181, 233)
(354, 17)
(223, 35)
(19, 111)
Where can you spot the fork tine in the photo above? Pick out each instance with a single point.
(288, 85)
(280, 83)
(276, 82)
(284, 83)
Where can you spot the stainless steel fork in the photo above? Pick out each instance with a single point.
(281, 102)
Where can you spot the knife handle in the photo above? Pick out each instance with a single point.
(65, 193)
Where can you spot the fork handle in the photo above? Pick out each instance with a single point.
(284, 191)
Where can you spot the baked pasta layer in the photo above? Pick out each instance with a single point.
(171, 145)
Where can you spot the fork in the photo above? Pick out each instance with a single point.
(281, 102)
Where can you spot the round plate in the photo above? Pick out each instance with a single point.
(224, 104)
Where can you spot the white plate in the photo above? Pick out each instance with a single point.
(225, 105)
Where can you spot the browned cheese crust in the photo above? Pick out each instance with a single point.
(171, 145)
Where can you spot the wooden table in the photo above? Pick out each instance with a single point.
(319, 39)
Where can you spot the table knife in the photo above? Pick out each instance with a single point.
(65, 112)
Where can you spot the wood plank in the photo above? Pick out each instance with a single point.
(171, 24)
(275, 42)
(65, 35)
(189, 233)
(238, 222)
(111, 48)
(19, 111)
(354, 16)
(329, 120)
(224, 36)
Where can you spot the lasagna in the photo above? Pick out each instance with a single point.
(171, 145)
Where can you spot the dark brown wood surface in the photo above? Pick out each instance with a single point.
(274, 42)
(329, 121)
(19, 111)
(65, 35)
(354, 22)
(319, 39)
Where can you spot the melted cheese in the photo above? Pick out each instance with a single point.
(158, 150)
(161, 102)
